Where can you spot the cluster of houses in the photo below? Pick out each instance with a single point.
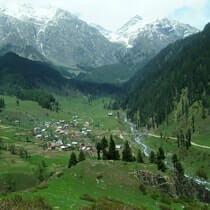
(63, 135)
(68, 135)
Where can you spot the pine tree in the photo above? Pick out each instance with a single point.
(2, 103)
(139, 157)
(81, 156)
(161, 165)
(188, 138)
(152, 157)
(104, 155)
(104, 143)
(161, 154)
(177, 166)
(40, 173)
(127, 153)
(98, 148)
(182, 138)
(178, 140)
(203, 113)
(174, 160)
(112, 149)
(117, 155)
(193, 124)
(179, 170)
(72, 160)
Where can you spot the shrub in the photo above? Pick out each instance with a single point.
(162, 207)
(154, 196)
(142, 188)
(99, 177)
(87, 197)
(165, 200)
(201, 172)
(19, 203)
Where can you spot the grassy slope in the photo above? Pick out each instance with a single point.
(30, 113)
(117, 181)
(65, 192)
(178, 121)
(112, 74)
(192, 160)
(196, 157)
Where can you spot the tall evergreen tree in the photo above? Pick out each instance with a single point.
(139, 157)
(182, 138)
(193, 124)
(81, 156)
(98, 148)
(178, 140)
(2, 103)
(161, 165)
(161, 154)
(72, 160)
(152, 157)
(174, 160)
(104, 155)
(127, 153)
(104, 143)
(112, 149)
(188, 138)
(179, 170)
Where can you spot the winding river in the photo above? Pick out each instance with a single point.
(139, 140)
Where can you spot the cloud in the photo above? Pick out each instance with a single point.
(197, 16)
(114, 13)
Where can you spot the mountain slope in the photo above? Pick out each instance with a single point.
(152, 37)
(17, 73)
(56, 34)
(178, 74)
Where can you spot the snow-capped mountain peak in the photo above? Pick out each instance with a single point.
(160, 27)
(27, 12)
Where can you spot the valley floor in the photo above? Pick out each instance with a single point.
(43, 171)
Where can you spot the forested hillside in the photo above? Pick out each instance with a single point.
(178, 74)
(37, 81)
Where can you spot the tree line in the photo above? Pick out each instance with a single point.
(179, 74)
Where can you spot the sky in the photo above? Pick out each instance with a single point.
(112, 14)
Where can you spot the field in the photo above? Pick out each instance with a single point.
(45, 173)
(177, 122)
(98, 179)
(192, 159)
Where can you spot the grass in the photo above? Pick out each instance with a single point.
(118, 182)
(192, 160)
(178, 121)
(30, 113)
(94, 178)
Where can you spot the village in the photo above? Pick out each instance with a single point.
(69, 135)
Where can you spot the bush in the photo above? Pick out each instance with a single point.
(162, 207)
(87, 197)
(201, 172)
(107, 203)
(99, 177)
(154, 196)
(165, 200)
(19, 203)
(142, 188)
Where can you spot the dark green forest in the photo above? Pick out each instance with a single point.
(155, 89)
(37, 81)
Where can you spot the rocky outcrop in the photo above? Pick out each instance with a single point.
(174, 186)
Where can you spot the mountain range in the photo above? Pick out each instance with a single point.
(176, 80)
(56, 35)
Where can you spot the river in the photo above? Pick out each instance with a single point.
(139, 140)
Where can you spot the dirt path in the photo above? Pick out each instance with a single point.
(193, 143)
